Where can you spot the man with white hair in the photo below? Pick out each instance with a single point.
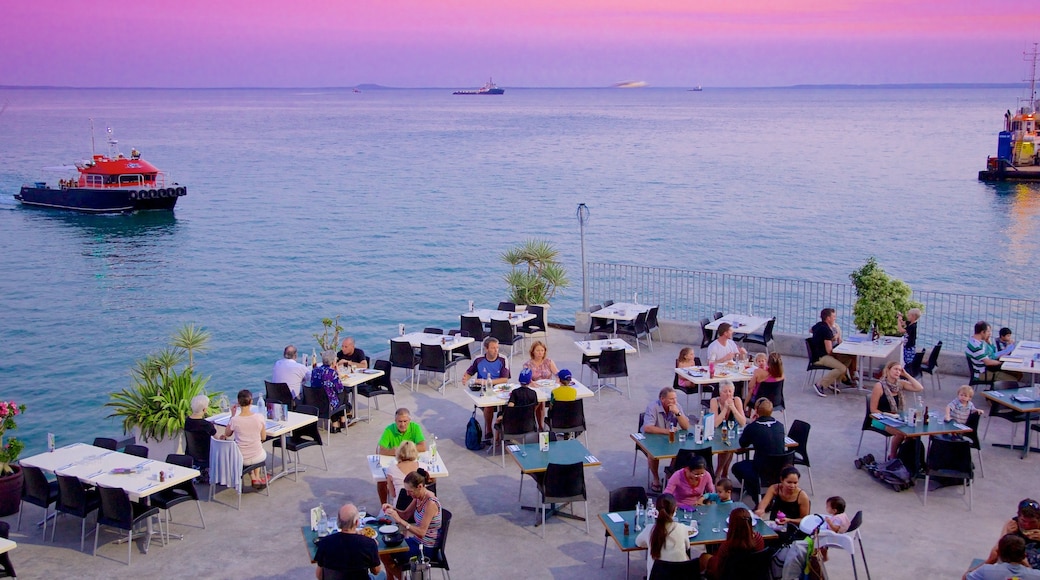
(288, 371)
(348, 552)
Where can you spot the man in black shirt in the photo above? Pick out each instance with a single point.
(822, 342)
(351, 356)
(766, 435)
(347, 552)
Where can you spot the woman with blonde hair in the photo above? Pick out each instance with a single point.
(407, 462)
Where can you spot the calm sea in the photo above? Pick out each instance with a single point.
(392, 206)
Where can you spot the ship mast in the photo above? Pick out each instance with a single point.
(1032, 77)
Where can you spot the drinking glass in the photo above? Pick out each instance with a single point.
(362, 511)
(682, 436)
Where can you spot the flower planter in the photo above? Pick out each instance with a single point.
(11, 492)
(159, 449)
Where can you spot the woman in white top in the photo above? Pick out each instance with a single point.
(249, 430)
(407, 462)
(727, 407)
(667, 540)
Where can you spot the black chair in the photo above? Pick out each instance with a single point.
(932, 366)
(605, 304)
(438, 559)
(586, 360)
(976, 443)
(471, 325)
(433, 330)
(623, 499)
(196, 445)
(718, 315)
(403, 356)
(979, 377)
(136, 450)
(639, 429)
(686, 570)
(774, 391)
(568, 417)
(914, 368)
(327, 410)
(462, 352)
(799, 433)
(812, 367)
(517, 423)
(685, 457)
(637, 329)
(37, 491)
(303, 437)
(950, 459)
(652, 324)
(611, 364)
(6, 567)
(996, 410)
(536, 324)
(707, 334)
(772, 465)
(750, 566)
(683, 389)
(119, 512)
(279, 393)
(434, 359)
(106, 443)
(507, 306)
(178, 494)
(75, 499)
(599, 325)
(378, 387)
(504, 332)
(868, 425)
(764, 339)
(564, 483)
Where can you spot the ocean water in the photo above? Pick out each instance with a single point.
(392, 206)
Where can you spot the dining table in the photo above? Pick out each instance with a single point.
(728, 371)
(936, 425)
(310, 538)
(137, 476)
(659, 446)
(351, 378)
(1025, 359)
(621, 311)
(531, 460)
(741, 323)
(7, 545)
(596, 347)
(712, 526)
(1023, 400)
(498, 395)
(280, 429)
(486, 315)
(433, 464)
(861, 346)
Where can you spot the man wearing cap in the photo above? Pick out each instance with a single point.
(523, 396)
(1025, 524)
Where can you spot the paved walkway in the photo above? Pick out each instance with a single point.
(492, 538)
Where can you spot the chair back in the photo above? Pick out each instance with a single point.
(604, 305)
(307, 433)
(403, 499)
(625, 498)
(72, 496)
(767, 334)
(383, 382)
(225, 463)
(973, 424)
(432, 358)
(317, 397)
(433, 330)
(718, 315)
(642, 419)
(35, 486)
(856, 522)
(772, 464)
(330, 574)
(975, 372)
(507, 306)
(564, 482)
(438, 559)
(685, 570)
(638, 326)
(567, 415)
(799, 433)
(933, 358)
(707, 335)
(188, 487)
(503, 331)
(536, 324)
(179, 459)
(950, 457)
(749, 566)
(518, 420)
(105, 443)
(136, 450)
(116, 509)
(472, 325)
(278, 393)
(651, 318)
(772, 390)
(810, 354)
(196, 444)
(685, 457)
(612, 363)
(402, 355)
(914, 368)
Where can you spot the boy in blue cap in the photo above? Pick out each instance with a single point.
(521, 396)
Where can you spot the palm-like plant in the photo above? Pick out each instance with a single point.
(324, 340)
(192, 339)
(536, 272)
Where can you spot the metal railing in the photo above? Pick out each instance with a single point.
(690, 295)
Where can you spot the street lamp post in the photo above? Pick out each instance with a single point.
(583, 218)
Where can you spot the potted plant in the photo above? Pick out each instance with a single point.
(535, 272)
(325, 341)
(10, 474)
(159, 398)
(880, 298)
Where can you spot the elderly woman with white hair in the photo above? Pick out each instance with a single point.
(327, 377)
(197, 423)
(726, 407)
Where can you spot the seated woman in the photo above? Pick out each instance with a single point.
(690, 483)
(767, 370)
(887, 396)
(197, 423)
(668, 540)
(741, 540)
(541, 367)
(786, 503)
(425, 509)
(407, 462)
(327, 377)
(727, 407)
(249, 430)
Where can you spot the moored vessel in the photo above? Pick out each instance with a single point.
(489, 88)
(1018, 145)
(109, 183)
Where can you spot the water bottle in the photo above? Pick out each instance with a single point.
(260, 406)
(314, 358)
(639, 516)
(635, 298)
(323, 521)
(433, 447)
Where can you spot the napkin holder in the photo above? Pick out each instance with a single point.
(709, 426)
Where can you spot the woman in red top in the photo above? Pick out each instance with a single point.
(741, 540)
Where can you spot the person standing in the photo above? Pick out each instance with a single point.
(908, 329)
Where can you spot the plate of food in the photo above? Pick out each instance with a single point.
(503, 396)
(389, 529)
(368, 532)
(545, 383)
(722, 373)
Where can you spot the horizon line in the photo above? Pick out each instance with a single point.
(375, 86)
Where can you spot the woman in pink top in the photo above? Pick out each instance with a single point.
(690, 483)
(250, 431)
(686, 359)
(542, 367)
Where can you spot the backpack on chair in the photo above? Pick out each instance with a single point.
(474, 435)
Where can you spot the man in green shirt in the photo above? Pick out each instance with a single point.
(402, 429)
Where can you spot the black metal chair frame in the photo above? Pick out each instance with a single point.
(637, 329)
(303, 437)
(381, 386)
(434, 359)
(403, 356)
(623, 499)
(506, 334)
(75, 499)
(117, 511)
(763, 339)
(611, 364)
(517, 423)
(178, 494)
(799, 433)
(949, 458)
(279, 393)
(39, 492)
(564, 483)
(868, 425)
(568, 417)
(932, 366)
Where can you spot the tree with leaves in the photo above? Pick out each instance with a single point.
(536, 272)
(880, 299)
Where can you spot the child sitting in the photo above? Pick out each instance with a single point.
(723, 493)
(960, 408)
(836, 518)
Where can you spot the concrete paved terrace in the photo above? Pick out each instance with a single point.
(491, 537)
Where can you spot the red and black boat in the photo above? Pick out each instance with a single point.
(106, 184)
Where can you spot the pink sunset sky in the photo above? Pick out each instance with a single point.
(560, 43)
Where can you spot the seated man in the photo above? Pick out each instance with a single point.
(347, 552)
(489, 369)
(659, 418)
(287, 370)
(983, 357)
(822, 344)
(724, 348)
(1026, 525)
(1012, 563)
(766, 436)
(351, 357)
(402, 429)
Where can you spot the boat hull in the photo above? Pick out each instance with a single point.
(97, 200)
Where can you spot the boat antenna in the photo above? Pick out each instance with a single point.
(1032, 79)
(92, 151)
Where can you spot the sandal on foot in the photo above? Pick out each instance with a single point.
(655, 487)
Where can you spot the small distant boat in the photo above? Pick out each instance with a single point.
(489, 88)
(1018, 145)
(696, 89)
(105, 184)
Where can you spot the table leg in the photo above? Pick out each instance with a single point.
(1025, 442)
(286, 470)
